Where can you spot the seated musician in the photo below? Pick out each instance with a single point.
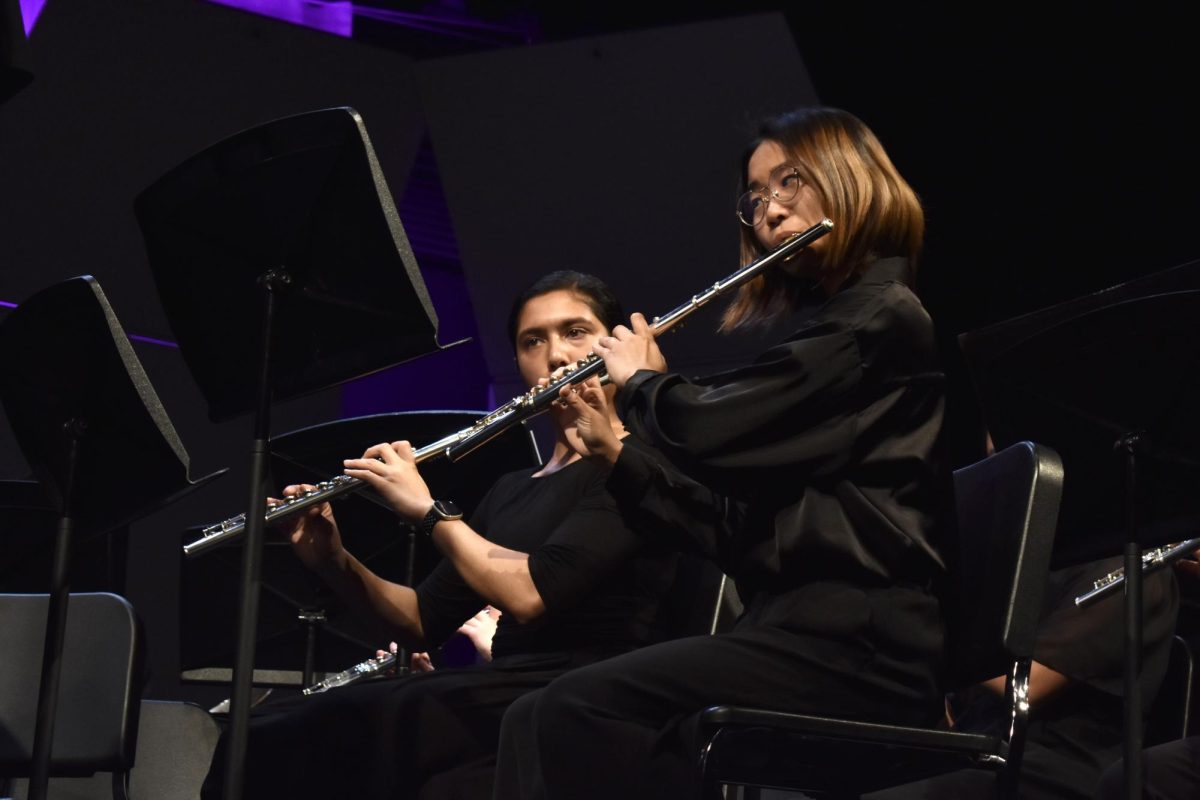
(1170, 770)
(547, 547)
(1076, 689)
(827, 451)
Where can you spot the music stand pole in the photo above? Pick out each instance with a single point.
(304, 194)
(1133, 626)
(56, 623)
(270, 283)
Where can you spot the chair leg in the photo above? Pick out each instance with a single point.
(120, 784)
(711, 790)
(1006, 784)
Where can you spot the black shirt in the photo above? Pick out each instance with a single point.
(599, 579)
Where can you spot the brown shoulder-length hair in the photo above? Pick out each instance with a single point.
(875, 213)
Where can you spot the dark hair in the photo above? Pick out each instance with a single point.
(875, 212)
(590, 289)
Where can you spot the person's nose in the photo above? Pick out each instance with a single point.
(777, 210)
(558, 355)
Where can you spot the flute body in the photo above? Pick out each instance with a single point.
(1152, 561)
(534, 402)
(361, 670)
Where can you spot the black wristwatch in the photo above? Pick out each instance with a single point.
(441, 510)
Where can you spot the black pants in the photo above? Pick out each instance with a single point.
(1170, 771)
(625, 727)
(430, 735)
(1045, 775)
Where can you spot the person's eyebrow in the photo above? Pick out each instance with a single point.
(521, 334)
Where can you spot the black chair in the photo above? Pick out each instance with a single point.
(1007, 511)
(700, 600)
(96, 719)
(175, 745)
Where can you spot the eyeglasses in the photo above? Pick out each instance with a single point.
(782, 185)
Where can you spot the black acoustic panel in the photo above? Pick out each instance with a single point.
(126, 90)
(614, 155)
(15, 69)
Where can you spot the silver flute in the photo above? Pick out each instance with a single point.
(1152, 561)
(363, 669)
(534, 402)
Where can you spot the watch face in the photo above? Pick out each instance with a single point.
(446, 509)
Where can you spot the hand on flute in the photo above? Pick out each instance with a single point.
(628, 350)
(591, 433)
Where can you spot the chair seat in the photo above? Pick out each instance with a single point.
(822, 754)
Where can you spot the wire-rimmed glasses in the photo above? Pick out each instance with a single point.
(782, 185)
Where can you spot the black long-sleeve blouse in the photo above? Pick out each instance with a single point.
(821, 460)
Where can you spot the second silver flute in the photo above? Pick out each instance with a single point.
(1152, 561)
(532, 403)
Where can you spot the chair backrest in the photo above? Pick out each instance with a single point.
(1007, 512)
(95, 725)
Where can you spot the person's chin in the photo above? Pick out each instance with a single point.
(801, 266)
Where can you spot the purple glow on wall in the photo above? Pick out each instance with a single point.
(29, 13)
(133, 337)
(331, 16)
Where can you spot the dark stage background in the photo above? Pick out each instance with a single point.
(1052, 150)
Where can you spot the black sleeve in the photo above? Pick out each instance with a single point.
(1087, 644)
(666, 504)
(798, 405)
(583, 549)
(787, 409)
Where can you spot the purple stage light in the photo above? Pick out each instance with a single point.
(29, 13)
(337, 17)
(331, 16)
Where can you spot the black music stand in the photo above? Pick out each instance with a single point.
(15, 69)
(1116, 370)
(27, 523)
(300, 621)
(285, 233)
(94, 432)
